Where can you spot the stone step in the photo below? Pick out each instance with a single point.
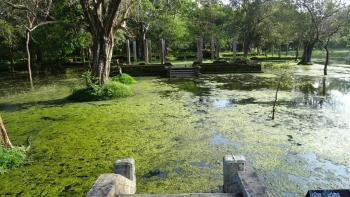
(180, 195)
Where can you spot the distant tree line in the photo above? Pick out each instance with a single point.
(37, 31)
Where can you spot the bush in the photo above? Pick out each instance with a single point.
(124, 78)
(92, 92)
(10, 158)
(86, 94)
(115, 90)
(277, 66)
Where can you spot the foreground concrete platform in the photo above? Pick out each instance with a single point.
(236, 181)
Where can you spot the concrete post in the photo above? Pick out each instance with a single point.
(162, 51)
(149, 50)
(212, 48)
(234, 48)
(217, 49)
(232, 165)
(200, 49)
(125, 167)
(122, 182)
(134, 50)
(145, 46)
(128, 52)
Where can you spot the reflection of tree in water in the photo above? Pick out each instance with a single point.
(321, 92)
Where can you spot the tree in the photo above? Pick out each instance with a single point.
(252, 14)
(104, 18)
(9, 38)
(331, 27)
(31, 14)
(4, 137)
(318, 13)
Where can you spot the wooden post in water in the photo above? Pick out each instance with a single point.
(200, 49)
(162, 51)
(134, 51)
(145, 50)
(128, 51)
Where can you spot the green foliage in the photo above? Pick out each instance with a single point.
(277, 66)
(171, 57)
(112, 89)
(10, 158)
(124, 79)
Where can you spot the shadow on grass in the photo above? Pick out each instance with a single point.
(11, 107)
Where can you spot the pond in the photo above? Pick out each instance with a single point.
(179, 130)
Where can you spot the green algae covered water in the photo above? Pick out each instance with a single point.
(179, 130)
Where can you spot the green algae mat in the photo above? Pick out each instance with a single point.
(178, 131)
(71, 144)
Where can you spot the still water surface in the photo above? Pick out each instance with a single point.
(306, 147)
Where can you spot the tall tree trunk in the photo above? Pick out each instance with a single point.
(279, 51)
(4, 137)
(324, 86)
(12, 65)
(217, 49)
(145, 51)
(83, 55)
(234, 48)
(307, 54)
(246, 47)
(327, 58)
(29, 59)
(149, 50)
(102, 57)
(212, 48)
(162, 51)
(128, 52)
(297, 53)
(200, 50)
(134, 49)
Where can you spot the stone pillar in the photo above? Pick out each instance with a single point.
(200, 50)
(149, 50)
(217, 49)
(162, 51)
(128, 52)
(145, 50)
(232, 165)
(125, 167)
(212, 48)
(134, 50)
(234, 48)
(122, 182)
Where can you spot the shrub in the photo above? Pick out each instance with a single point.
(277, 66)
(113, 89)
(92, 92)
(124, 78)
(10, 158)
